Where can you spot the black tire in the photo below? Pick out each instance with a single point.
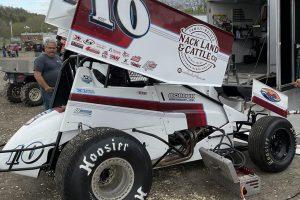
(90, 158)
(13, 92)
(31, 94)
(272, 144)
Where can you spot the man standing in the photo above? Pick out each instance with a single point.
(4, 51)
(46, 69)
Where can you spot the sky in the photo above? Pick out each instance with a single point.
(34, 6)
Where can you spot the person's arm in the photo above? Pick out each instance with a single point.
(297, 83)
(39, 78)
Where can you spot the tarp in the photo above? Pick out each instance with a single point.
(151, 38)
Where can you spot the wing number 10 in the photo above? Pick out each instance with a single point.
(130, 15)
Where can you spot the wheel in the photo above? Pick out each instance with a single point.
(31, 94)
(13, 91)
(272, 144)
(106, 164)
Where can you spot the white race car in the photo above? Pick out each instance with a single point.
(117, 114)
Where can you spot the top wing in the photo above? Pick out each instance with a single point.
(151, 38)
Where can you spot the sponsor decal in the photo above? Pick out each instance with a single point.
(27, 157)
(111, 50)
(76, 44)
(87, 79)
(141, 195)
(100, 46)
(125, 61)
(270, 95)
(190, 73)
(142, 93)
(114, 57)
(136, 58)
(84, 91)
(150, 65)
(88, 162)
(82, 112)
(198, 48)
(125, 54)
(89, 42)
(77, 38)
(134, 64)
(181, 97)
(90, 49)
(105, 54)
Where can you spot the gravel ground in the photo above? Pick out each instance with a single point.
(188, 182)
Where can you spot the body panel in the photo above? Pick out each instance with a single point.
(40, 130)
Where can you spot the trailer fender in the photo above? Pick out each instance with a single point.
(40, 134)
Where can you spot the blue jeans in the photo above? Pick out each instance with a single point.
(47, 98)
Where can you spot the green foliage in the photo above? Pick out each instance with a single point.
(20, 19)
(200, 10)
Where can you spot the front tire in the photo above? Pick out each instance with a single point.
(272, 144)
(104, 163)
(13, 92)
(31, 94)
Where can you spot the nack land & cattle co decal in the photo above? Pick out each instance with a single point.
(127, 34)
(198, 48)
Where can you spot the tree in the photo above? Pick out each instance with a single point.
(20, 19)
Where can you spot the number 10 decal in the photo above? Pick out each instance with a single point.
(130, 15)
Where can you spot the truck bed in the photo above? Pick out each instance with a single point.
(16, 65)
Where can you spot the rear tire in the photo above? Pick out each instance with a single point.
(272, 144)
(104, 163)
(31, 94)
(13, 92)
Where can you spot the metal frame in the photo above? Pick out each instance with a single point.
(293, 16)
(18, 153)
(278, 43)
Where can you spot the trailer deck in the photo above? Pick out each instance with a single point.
(24, 66)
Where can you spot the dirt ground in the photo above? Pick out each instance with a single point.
(184, 182)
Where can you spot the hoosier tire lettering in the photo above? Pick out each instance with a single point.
(88, 166)
(104, 163)
(272, 143)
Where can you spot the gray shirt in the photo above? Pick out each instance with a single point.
(49, 67)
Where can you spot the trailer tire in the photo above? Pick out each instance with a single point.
(31, 94)
(104, 163)
(13, 92)
(272, 144)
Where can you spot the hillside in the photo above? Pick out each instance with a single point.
(22, 21)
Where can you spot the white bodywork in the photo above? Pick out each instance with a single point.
(159, 117)
(160, 109)
(41, 130)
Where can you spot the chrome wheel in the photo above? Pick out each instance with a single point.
(113, 179)
(35, 94)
